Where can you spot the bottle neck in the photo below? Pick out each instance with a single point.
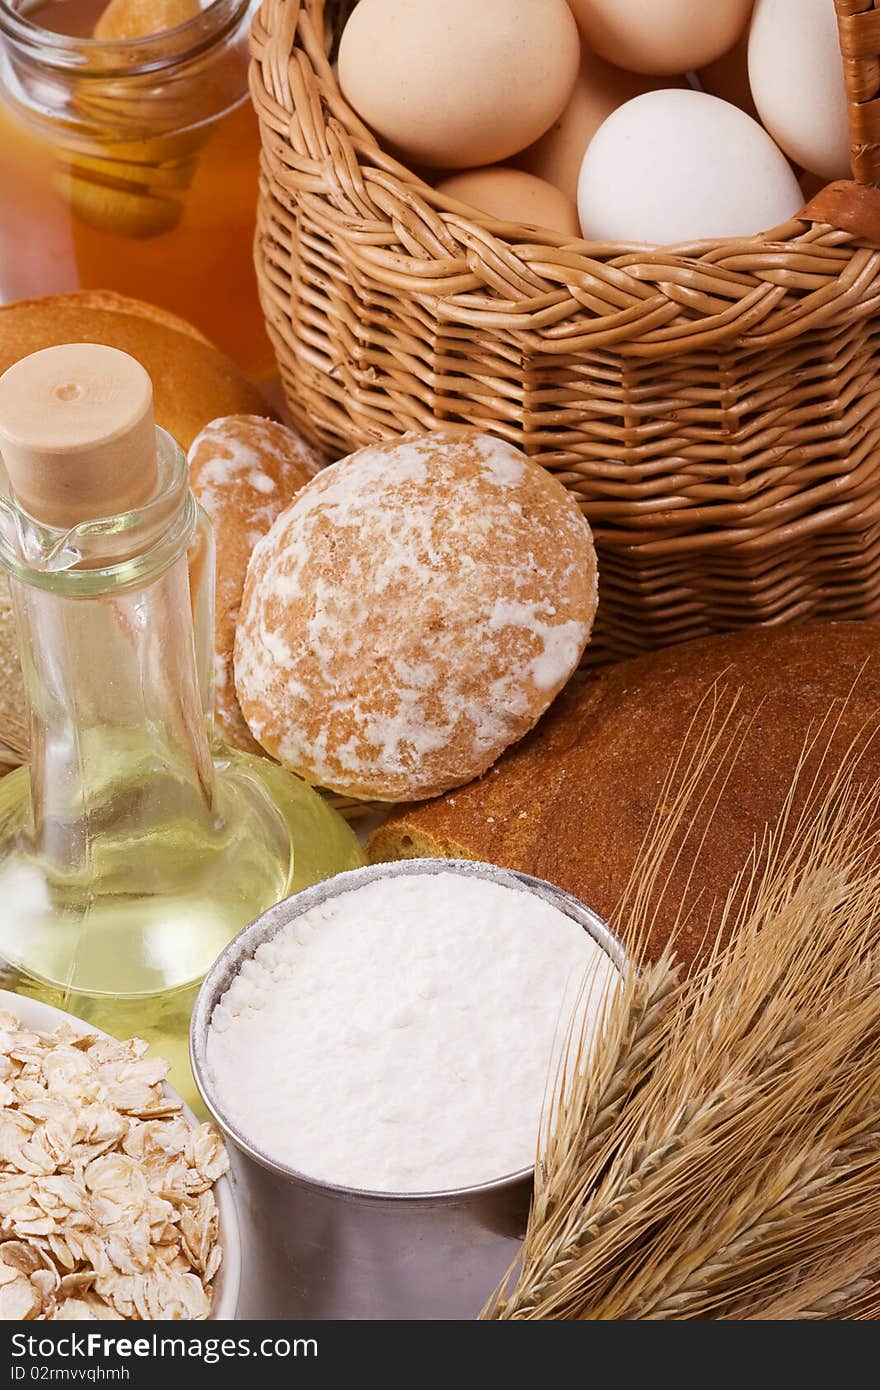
(118, 736)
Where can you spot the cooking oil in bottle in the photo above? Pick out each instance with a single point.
(132, 849)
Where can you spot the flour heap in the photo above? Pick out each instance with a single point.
(399, 1037)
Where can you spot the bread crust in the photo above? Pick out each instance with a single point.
(574, 801)
(114, 303)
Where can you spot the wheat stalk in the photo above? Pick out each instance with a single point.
(589, 1103)
(715, 1151)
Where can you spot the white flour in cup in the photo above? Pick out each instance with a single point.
(399, 1037)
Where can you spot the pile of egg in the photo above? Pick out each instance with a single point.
(641, 121)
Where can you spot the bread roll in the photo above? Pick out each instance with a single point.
(412, 614)
(574, 802)
(244, 470)
(193, 383)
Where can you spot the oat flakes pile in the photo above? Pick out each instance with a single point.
(106, 1207)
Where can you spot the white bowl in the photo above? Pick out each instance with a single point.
(43, 1018)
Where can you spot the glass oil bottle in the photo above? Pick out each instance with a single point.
(131, 848)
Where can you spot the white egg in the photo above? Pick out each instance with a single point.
(675, 166)
(796, 76)
(599, 90)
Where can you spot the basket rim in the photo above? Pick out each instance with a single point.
(377, 227)
(301, 40)
(669, 388)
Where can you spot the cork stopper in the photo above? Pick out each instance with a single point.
(77, 434)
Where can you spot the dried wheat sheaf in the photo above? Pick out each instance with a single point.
(716, 1153)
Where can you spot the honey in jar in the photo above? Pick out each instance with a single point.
(131, 164)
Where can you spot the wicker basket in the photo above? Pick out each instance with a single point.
(714, 407)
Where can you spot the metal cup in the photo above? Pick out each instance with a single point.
(314, 1250)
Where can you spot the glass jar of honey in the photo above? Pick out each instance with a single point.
(132, 165)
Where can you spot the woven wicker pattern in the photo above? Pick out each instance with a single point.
(714, 407)
(859, 24)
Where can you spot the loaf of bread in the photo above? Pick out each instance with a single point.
(573, 803)
(413, 613)
(193, 383)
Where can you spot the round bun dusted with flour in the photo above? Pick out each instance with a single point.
(244, 470)
(413, 613)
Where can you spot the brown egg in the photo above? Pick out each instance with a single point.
(599, 90)
(511, 195)
(663, 36)
(728, 77)
(453, 84)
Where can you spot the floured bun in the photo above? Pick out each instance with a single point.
(413, 613)
(244, 470)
